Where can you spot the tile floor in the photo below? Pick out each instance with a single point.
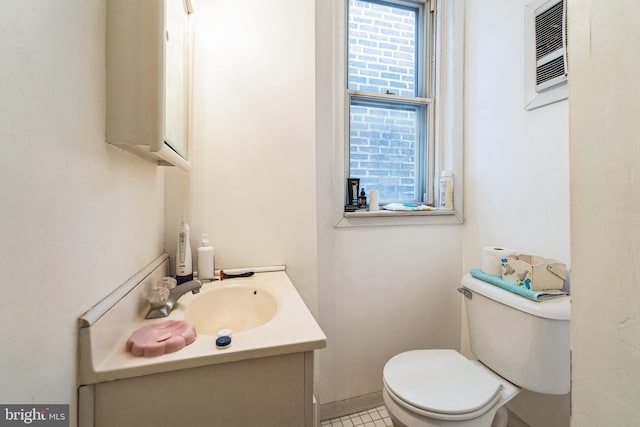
(376, 417)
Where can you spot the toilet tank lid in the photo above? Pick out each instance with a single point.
(556, 308)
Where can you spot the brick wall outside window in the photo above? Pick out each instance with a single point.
(383, 140)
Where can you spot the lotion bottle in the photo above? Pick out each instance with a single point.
(184, 266)
(206, 259)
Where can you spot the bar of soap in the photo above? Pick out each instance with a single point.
(161, 338)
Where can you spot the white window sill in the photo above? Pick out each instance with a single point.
(388, 218)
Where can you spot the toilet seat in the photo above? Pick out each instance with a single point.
(440, 384)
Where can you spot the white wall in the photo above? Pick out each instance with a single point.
(605, 209)
(252, 188)
(77, 217)
(382, 290)
(516, 163)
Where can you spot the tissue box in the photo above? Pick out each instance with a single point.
(533, 272)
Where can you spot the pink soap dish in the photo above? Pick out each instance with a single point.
(161, 338)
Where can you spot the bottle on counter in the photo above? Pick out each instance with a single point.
(206, 259)
(184, 266)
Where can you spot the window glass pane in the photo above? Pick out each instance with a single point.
(382, 48)
(385, 151)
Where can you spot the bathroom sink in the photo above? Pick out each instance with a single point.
(237, 307)
(265, 312)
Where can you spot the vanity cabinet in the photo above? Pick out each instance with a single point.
(148, 62)
(265, 378)
(272, 391)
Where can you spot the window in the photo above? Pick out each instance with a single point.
(393, 75)
(390, 137)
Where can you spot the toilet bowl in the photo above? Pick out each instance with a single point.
(442, 388)
(519, 344)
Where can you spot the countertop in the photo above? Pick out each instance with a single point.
(102, 345)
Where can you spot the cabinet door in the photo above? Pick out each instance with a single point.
(176, 94)
(148, 63)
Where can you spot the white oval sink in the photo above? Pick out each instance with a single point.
(238, 307)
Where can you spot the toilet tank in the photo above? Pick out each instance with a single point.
(524, 341)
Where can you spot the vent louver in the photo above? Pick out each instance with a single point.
(545, 53)
(550, 70)
(549, 31)
(550, 41)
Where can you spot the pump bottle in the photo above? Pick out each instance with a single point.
(206, 259)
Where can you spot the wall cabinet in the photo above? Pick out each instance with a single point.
(149, 78)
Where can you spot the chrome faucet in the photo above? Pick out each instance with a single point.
(164, 309)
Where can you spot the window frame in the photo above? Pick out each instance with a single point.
(424, 132)
(425, 84)
(423, 77)
(447, 80)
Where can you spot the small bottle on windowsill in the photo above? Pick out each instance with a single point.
(362, 200)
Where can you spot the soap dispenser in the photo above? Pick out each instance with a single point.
(184, 266)
(206, 259)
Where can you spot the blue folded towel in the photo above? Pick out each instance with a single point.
(520, 290)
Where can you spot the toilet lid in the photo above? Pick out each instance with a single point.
(440, 381)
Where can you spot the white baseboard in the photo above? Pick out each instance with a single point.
(350, 406)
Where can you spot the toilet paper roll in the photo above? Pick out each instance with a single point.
(491, 256)
(374, 200)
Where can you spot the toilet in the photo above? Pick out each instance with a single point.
(519, 343)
